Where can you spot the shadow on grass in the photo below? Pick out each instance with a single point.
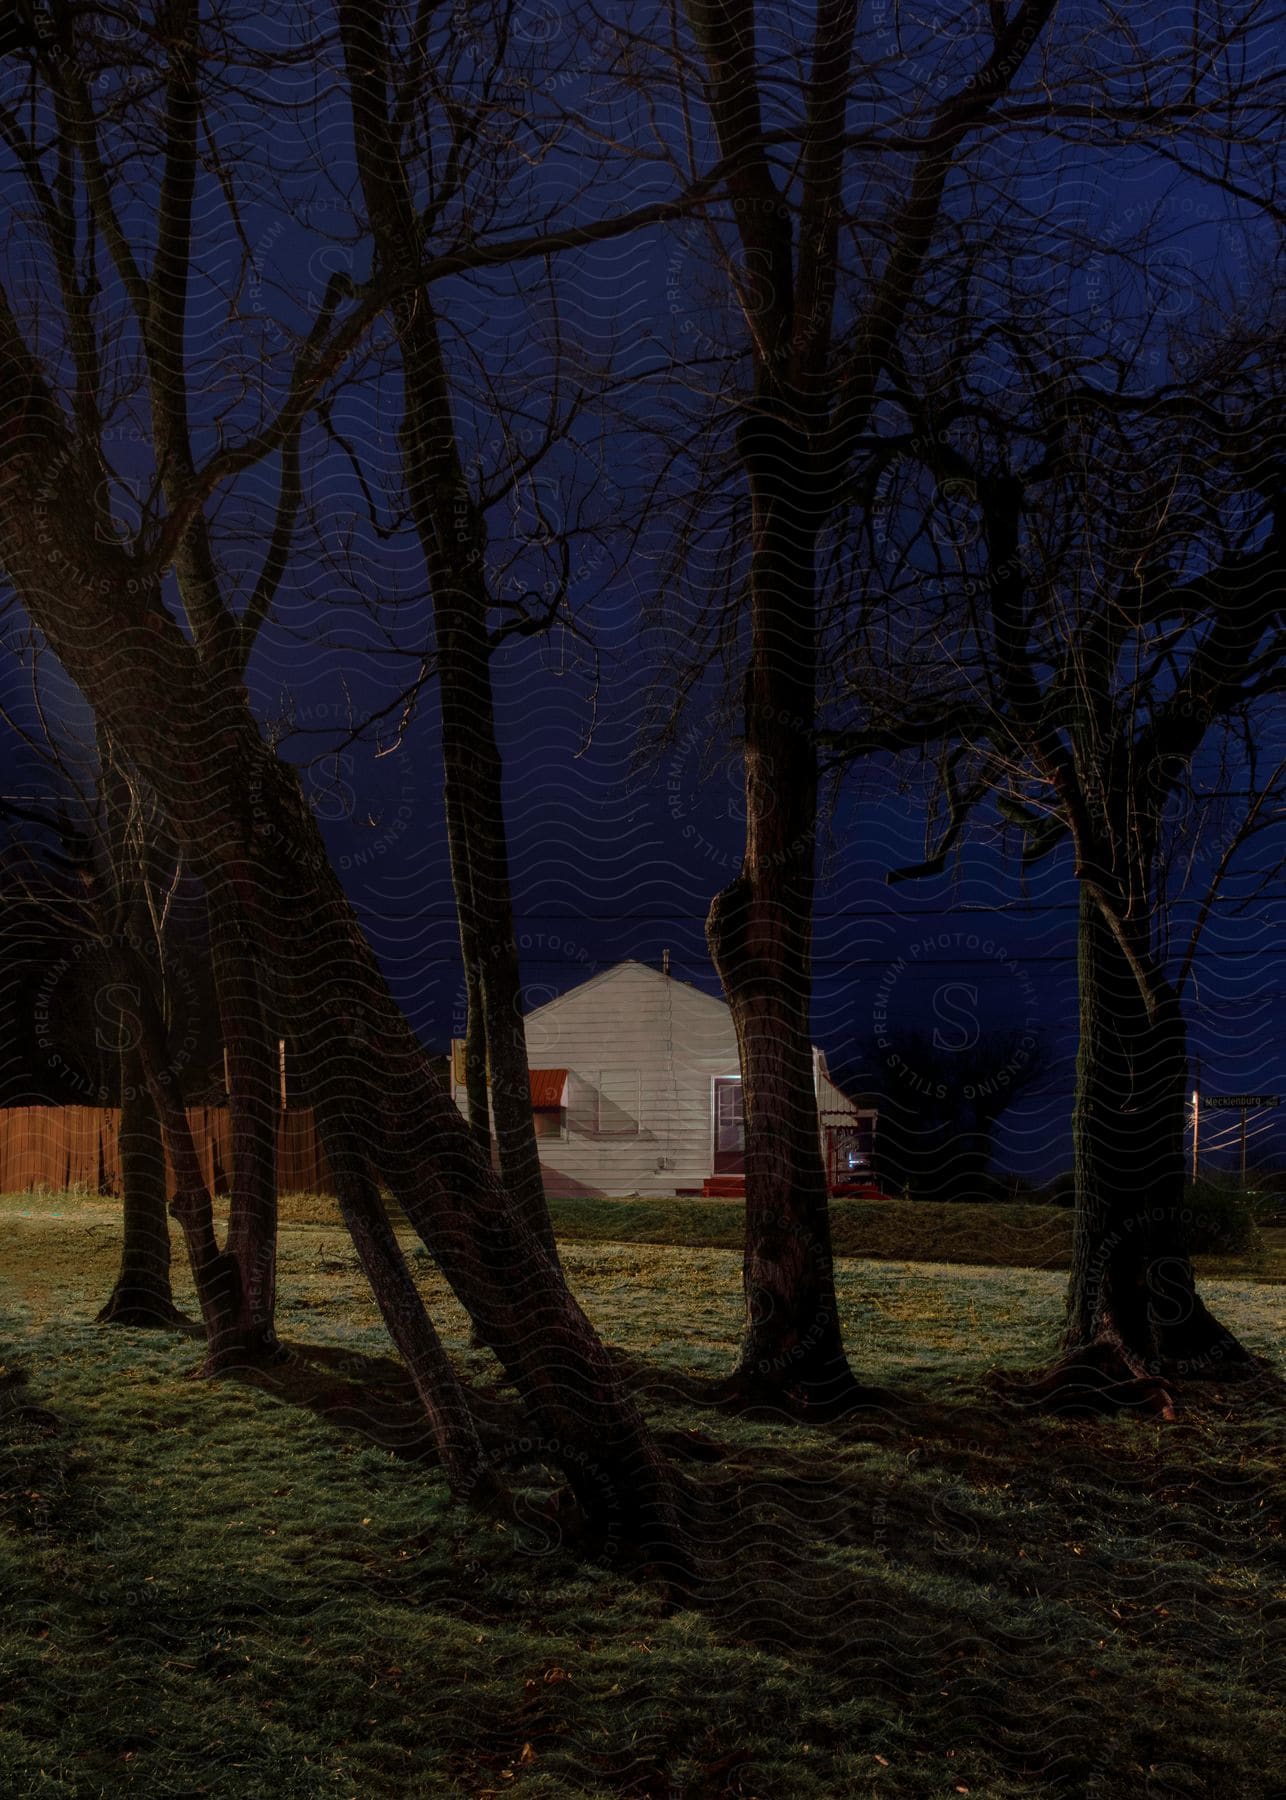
(964, 1595)
(373, 1397)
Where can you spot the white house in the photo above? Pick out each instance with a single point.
(636, 1089)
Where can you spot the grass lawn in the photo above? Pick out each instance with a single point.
(1020, 1236)
(225, 1589)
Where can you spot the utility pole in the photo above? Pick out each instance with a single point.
(1196, 1128)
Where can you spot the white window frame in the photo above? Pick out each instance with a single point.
(714, 1119)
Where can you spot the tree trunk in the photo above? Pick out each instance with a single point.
(495, 1045)
(247, 1334)
(441, 1394)
(215, 1274)
(476, 1087)
(364, 1063)
(236, 1286)
(240, 815)
(760, 936)
(452, 538)
(142, 1295)
(1132, 1290)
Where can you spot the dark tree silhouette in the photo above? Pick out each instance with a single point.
(940, 1104)
(171, 698)
(1114, 655)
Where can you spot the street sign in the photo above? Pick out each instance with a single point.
(1241, 1102)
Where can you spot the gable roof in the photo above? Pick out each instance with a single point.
(604, 976)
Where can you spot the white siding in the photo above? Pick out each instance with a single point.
(640, 1047)
(641, 1052)
(830, 1101)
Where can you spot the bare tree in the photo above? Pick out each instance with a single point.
(858, 251)
(93, 848)
(171, 698)
(389, 118)
(1107, 659)
(818, 344)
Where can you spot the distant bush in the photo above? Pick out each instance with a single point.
(1060, 1190)
(969, 1190)
(1002, 1189)
(1222, 1220)
(1268, 1205)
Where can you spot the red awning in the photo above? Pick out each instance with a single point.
(547, 1086)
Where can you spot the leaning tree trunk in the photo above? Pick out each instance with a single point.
(1132, 1289)
(142, 1295)
(441, 1394)
(370, 1080)
(452, 539)
(480, 873)
(760, 936)
(476, 1089)
(241, 817)
(372, 1085)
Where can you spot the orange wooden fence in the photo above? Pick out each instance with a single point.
(58, 1147)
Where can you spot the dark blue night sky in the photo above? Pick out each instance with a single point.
(619, 843)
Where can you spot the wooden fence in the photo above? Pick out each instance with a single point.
(59, 1147)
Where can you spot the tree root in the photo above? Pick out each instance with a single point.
(144, 1313)
(1090, 1380)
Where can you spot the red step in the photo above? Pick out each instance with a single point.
(733, 1187)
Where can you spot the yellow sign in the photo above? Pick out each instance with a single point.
(460, 1063)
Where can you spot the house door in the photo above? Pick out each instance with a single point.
(729, 1127)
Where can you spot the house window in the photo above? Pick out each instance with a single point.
(549, 1102)
(617, 1103)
